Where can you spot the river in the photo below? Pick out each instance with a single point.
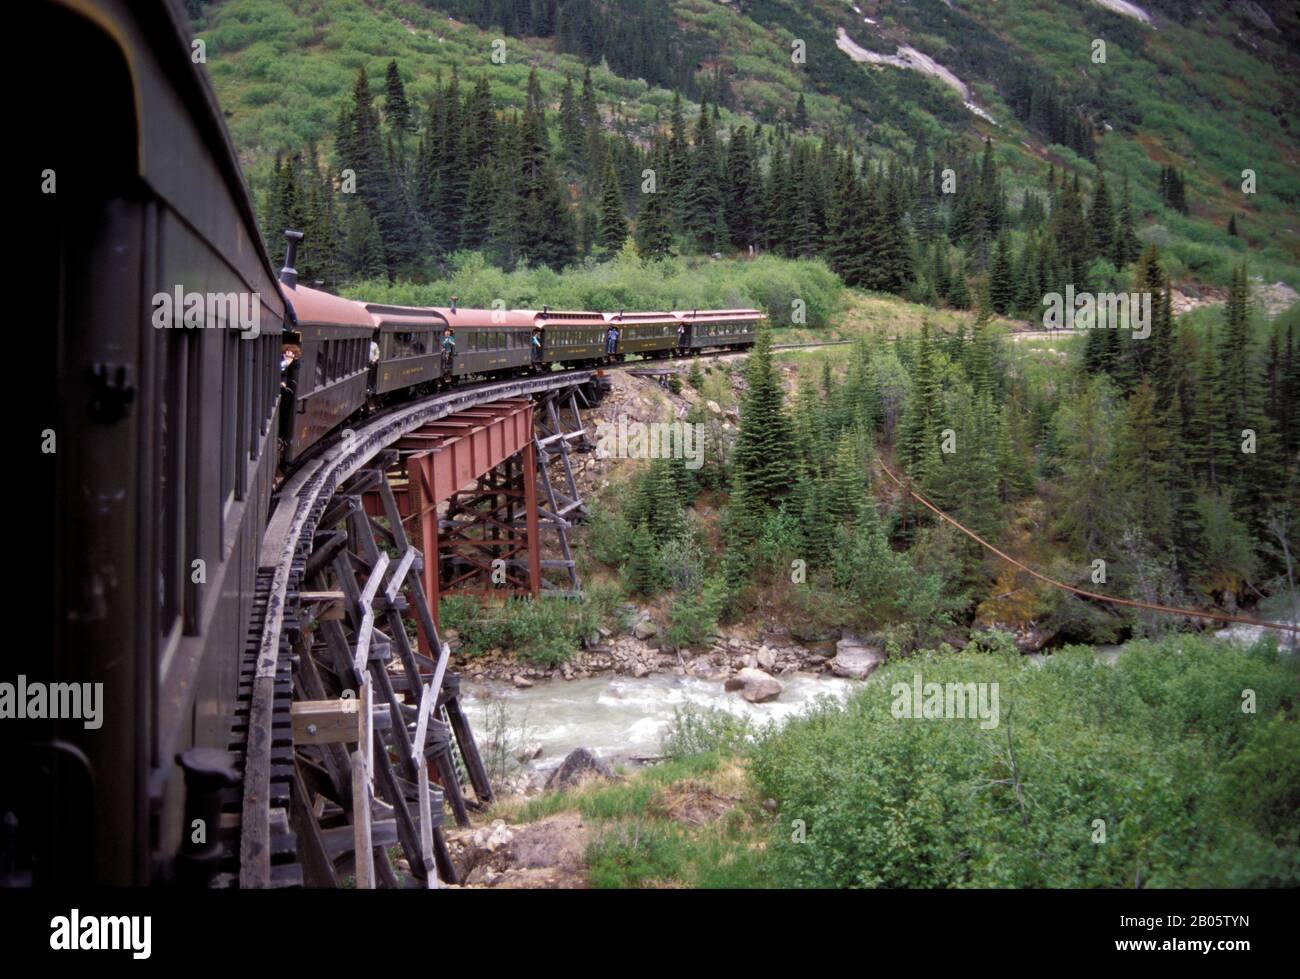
(620, 717)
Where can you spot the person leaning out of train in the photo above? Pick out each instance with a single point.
(374, 352)
(289, 355)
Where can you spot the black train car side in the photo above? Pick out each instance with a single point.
(145, 519)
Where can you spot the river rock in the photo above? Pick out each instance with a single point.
(854, 660)
(645, 629)
(521, 681)
(756, 686)
(577, 763)
(528, 752)
(765, 658)
(492, 837)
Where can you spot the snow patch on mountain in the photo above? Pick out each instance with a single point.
(1125, 8)
(910, 58)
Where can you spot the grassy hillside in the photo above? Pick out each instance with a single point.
(1212, 94)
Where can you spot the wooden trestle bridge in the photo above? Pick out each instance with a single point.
(350, 734)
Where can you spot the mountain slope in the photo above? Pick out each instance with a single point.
(1209, 90)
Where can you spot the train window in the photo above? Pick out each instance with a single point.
(243, 405)
(229, 391)
(320, 365)
(171, 455)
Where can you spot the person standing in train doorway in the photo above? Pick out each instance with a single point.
(535, 346)
(448, 348)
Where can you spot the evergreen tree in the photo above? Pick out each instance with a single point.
(1101, 220)
(654, 237)
(396, 107)
(573, 134)
(613, 226)
(1001, 279)
(801, 114)
(1125, 246)
(763, 451)
(703, 207)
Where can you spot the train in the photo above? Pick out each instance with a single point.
(347, 358)
(162, 448)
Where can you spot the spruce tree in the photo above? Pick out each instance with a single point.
(703, 207)
(1101, 220)
(763, 452)
(613, 226)
(654, 237)
(396, 107)
(1001, 278)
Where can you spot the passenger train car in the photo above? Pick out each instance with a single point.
(166, 431)
(487, 344)
(159, 427)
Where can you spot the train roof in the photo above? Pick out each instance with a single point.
(484, 318)
(569, 317)
(624, 317)
(383, 314)
(311, 307)
(705, 315)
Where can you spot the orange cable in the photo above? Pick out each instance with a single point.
(1195, 613)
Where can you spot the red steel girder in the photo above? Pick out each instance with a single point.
(445, 457)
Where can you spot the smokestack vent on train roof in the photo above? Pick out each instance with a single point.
(289, 274)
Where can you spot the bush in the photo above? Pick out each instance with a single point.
(700, 731)
(768, 283)
(1191, 791)
(546, 631)
(693, 616)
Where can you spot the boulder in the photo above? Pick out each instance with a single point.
(528, 752)
(854, 660)
(521, 681)
(765, 658)
(645, 629)
(575, 767)
(756, 686)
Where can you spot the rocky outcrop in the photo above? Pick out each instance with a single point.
(578, 765)
(854, 659)
(755, 686)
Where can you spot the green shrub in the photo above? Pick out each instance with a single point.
(1191, 791)
(634, 855)
(546, 631)
(697, 731)
(693, 616)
